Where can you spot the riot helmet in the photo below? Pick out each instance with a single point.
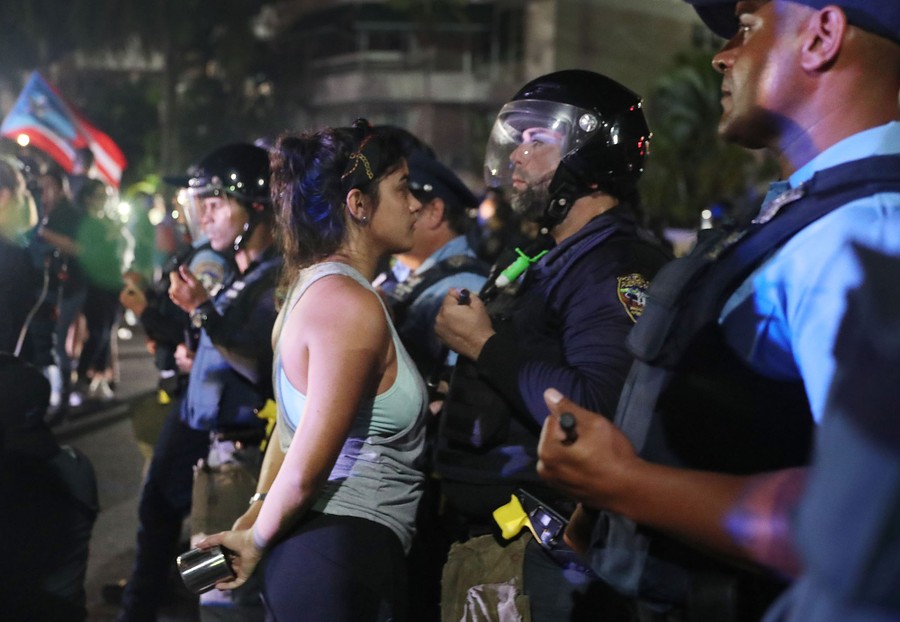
(239, 171)
(597, 125)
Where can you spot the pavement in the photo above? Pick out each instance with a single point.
(108, 433)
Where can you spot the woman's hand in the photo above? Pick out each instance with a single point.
(242, 553)
(248, 518)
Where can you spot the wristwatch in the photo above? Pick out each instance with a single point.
(259, 496)
(200, 315)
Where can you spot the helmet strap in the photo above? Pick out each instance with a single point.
(254, 217)
(244, 235)
(565, 189)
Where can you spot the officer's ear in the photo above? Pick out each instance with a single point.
(432, 214)
(823, 38)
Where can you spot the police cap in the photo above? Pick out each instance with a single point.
(428, 178)
(880, 17)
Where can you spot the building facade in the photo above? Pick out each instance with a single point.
(442, 68)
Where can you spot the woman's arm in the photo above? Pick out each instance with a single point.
(335, 354)
(271, 464)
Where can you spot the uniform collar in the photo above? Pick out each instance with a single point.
(881, 140)
(456, 246)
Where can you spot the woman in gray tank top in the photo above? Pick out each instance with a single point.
(340, 481)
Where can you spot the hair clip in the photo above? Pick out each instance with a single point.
(364, 133)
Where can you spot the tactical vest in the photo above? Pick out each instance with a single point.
(690, 401)
(405, 294)
(486, 439)
(218, 397)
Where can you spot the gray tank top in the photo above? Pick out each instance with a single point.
(377, 474)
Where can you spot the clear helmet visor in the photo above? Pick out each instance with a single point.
(524, 123)
(191, 201)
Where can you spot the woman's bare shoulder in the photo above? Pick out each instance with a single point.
(338, 302)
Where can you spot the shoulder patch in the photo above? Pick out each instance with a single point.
(209, 272)
(632, 291)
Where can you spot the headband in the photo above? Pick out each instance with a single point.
(365, 159)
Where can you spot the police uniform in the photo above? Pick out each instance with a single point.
(564, 325)
(735, 352)
(229, 383)
(415, 296)
(845, 527)
(230, 378)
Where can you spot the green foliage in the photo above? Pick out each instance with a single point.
(199, 99)
(690, 167)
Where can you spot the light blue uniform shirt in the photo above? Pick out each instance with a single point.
(420, 316)
(784, 318)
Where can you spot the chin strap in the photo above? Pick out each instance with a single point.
(255, 216)
(243, 236)
(564, 190)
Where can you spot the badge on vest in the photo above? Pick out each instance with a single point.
(632, 291)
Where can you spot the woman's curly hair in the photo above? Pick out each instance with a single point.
(309, 189)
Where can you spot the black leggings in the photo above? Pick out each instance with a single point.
(336, 569)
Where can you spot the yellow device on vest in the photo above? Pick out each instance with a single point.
(511, 518)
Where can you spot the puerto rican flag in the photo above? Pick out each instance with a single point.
(59, 130)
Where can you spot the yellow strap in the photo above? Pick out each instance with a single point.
(163, 397)
(269, 412)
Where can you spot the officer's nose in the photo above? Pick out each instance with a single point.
(204, 215)
(724, 58)
(519, 154)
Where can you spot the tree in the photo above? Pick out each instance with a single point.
(209, 54)
(690, 168)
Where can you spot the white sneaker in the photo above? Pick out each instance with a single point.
(100, 390)
(75, 399)
(53, 374)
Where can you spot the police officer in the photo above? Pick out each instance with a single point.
(415, 286)
(17, 217)
(570, 146)
(168, 332)
(737, 345)
(230, 375)
(440, 258)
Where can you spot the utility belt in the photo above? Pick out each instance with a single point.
(484, 581)
(548, 526)
(713, 596)
(240, 436)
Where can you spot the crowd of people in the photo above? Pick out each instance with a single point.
(442, 418)
(66, 278)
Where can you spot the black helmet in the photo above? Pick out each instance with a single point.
(600, 126)
(239, 170)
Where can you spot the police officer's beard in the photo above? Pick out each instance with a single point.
(530, 203)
